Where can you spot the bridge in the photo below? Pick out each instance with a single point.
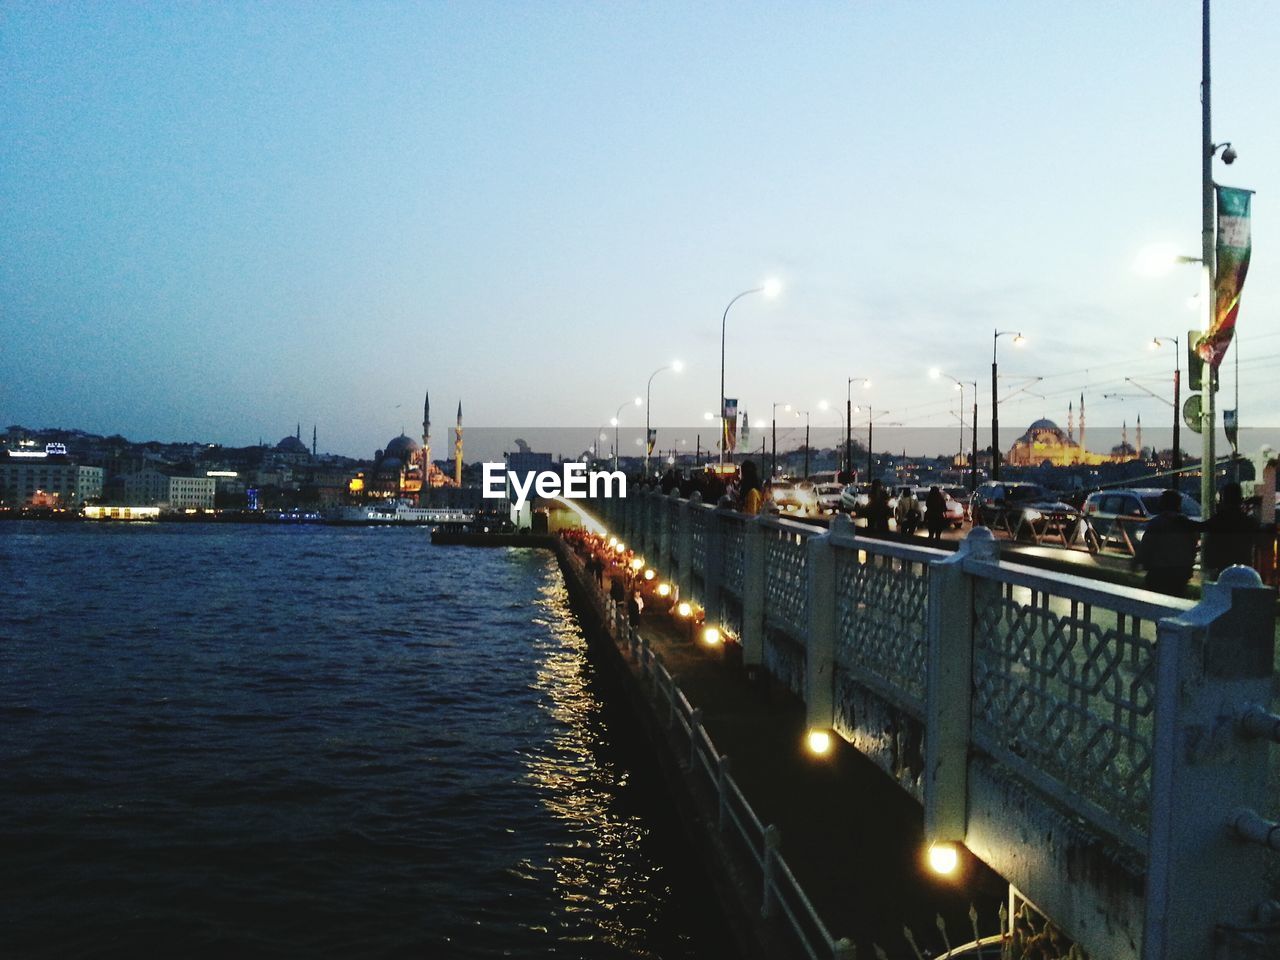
(1104, 749)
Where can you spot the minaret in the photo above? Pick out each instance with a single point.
(1083, 449)
(424, 492)
(1139, 436)
(313, 439)
(1071, 422)
(457, 448)
(1124, 433)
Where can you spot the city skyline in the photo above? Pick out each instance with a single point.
(221, 221)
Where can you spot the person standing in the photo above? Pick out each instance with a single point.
(935, 512)
(1230, 535)
(1167, 550)
(752, 497)
(877, 510)
(906, 513)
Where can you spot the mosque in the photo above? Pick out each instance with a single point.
(403, 468)
(1046, 442)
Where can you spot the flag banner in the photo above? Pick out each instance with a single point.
(1231, 426)
(1232, 252)
(729, 441)
(653, 439)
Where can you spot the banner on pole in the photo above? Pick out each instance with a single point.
(652, 439)
(1231, 426)
(1232, 255)
(729, 419)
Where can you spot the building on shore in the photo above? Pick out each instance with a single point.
(45, 476)
(404, 467)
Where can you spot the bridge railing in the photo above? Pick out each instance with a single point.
(1077, 736)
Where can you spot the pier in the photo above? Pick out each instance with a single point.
(1101, 748)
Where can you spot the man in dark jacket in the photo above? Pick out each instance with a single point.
(1229, 535)
(1167, 550)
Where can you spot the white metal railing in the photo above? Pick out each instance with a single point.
(975, 682)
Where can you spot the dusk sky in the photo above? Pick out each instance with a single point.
(220, 220)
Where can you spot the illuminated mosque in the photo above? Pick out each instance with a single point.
(400, 468)
(1046, 442)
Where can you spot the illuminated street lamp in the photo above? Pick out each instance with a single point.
(675, 365)
(772, 287)
(871, 419)
(1176, 462)
(616, 417)
(973, 453)
(1018, 340)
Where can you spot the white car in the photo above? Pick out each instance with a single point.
(827, 497)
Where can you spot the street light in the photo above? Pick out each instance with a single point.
(1176, 461)
(639, 403)
(772, 287)
(806, 441)
(675, 365)
(773, 464)
(848, 420)
(1018, 340)
(871, 419)
(973, 453)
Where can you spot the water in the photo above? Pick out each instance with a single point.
(260, 741)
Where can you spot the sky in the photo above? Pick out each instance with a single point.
(220, 220)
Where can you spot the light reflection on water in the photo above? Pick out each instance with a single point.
(335, 742)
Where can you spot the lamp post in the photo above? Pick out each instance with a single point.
(1176, 459)
(848, 420)
(616, 418)
(1018, 340)
(675, 365)
(773, 460)
(770, 289)
(973, 453)
(871, 419)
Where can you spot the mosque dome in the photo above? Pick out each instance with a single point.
(291, 444)
(1044, 424)
(401, 448)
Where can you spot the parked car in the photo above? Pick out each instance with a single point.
(854, 496)
(827, 497)
(1113, 514)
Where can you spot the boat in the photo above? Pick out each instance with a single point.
(397, 511)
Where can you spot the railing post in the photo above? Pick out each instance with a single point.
(1211, 663)
(684, 544)
(753, 587)
(949, 688)
(820, 633)
(772, 844)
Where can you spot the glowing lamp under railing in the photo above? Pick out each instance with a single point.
(711, 636)
(613, 542)
(818, 742)
(684, 609)
(636, 563)
(620, 547)
(650, 574)
(943, 858)
(664, 589)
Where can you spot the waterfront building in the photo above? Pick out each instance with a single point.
(1044, 442)
(47, 477)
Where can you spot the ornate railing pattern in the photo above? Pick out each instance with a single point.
(882, 602)
(699, 519)
(1064, 688)
(786, 597)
